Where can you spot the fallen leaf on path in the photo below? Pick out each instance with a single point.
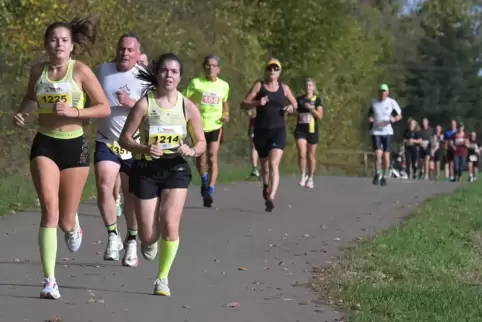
(242, 269)
(306, 235)
(186, 306)
(337, 238)
(233, 304)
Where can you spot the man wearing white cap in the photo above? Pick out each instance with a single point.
(382, 113)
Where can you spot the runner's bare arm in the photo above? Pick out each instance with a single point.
(249, 101)
(134, 120)
(289, 95)
(195, 126)
(29, 101)
(99, 107)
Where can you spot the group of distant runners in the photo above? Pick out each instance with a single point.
(145, 131)
(424, 150)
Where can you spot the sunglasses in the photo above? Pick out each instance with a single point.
(272, 68)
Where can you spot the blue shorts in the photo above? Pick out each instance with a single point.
(103, 153)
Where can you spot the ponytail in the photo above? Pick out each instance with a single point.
(149, 75)
(83, 31)
(149, 78)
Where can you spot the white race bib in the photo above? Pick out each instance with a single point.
(210, 98)
(473, 158)
(425, 144)
(305, 118)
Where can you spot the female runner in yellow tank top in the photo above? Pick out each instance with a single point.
(59, 157)
(160, 175)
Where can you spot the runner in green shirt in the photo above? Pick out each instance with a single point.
(210, 93)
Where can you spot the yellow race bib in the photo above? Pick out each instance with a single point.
(55, 98)
(117, 150)
(168, 137)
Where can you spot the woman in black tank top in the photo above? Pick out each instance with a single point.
(269, 97)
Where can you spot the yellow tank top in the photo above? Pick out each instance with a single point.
(167, 127)
(49, 92)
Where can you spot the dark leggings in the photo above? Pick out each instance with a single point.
(411, 159)
(459, 165)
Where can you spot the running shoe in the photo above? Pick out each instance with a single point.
(309, 183)
(269, 203)
(383, 181)
(255, 172)
(376, 179)
(50, 289)
(73, 239)
(114, 246)
(303, 180)
(130, 256)
(161, 287)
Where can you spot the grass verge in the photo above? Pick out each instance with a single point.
(428, 269)
(18, 192)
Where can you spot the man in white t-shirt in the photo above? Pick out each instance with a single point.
(382, 113)
(123, 90)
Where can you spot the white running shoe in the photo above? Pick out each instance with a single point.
(73, 239)
(303, 180)
(161, 287)
(130, 256)
(114, 246)
(309, 183)
(149, 252)
(50, 289)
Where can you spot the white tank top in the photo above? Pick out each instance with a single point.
(112, 81)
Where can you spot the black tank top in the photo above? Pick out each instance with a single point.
(271, 115)
(472, 149)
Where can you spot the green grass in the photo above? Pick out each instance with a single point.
(18, 192)
(427, 269)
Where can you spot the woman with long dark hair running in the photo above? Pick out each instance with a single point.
(310, 112)
(160, 175)
(270, 96)
(59, 157)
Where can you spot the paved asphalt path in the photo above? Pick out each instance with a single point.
(278, 250)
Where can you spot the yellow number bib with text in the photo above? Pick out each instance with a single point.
(117, 150)
(168, 137)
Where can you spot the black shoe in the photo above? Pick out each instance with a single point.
(269, 205)
(376, 179)
(207, 199)
(383, 182)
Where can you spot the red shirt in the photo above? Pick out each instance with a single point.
(459, 139)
